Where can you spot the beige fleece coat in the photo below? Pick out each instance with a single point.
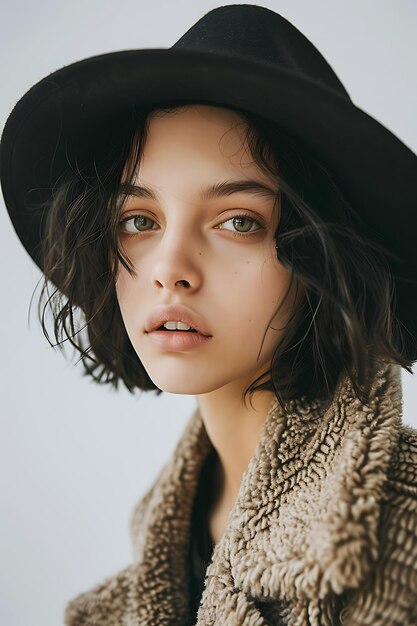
(323, 531)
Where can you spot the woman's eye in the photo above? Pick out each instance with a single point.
(137, 224)
(241, 221)
(132, 225)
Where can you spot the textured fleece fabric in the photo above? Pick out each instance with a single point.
(323, 531)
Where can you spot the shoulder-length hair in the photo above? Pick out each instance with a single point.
(345, 322)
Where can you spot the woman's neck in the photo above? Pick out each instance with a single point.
(234, 432)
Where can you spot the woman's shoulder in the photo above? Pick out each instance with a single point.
(398, 528)
(389, 592)
(402, 472)
(398, 524)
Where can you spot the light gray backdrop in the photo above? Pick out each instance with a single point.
(74, 456)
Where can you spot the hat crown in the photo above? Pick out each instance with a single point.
(254, 33)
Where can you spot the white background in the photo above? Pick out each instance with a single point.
(75, 456)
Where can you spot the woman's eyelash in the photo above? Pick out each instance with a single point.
(229, 219)
(249, 217)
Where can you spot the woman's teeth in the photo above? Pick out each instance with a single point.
(182, 326)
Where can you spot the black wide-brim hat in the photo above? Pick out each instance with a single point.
(242, 56)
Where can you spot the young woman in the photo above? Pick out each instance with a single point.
(229, 225)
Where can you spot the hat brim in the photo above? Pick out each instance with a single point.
(66, 115)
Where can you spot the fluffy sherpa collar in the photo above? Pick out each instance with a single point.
(303, 528)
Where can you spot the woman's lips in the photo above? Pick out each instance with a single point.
(176, 340)
(175, 312)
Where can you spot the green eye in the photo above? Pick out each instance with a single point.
(241, 218)
(135, 223)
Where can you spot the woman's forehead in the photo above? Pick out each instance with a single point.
(215, 134)
(213, 114)
(209, 144)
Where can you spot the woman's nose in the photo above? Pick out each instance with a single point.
(177, 265)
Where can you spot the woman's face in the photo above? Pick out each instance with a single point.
(188, 251)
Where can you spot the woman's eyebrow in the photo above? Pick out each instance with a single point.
(216, 190)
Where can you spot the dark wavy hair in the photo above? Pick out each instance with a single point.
(345, 321)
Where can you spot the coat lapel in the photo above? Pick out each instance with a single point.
(303, 528)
